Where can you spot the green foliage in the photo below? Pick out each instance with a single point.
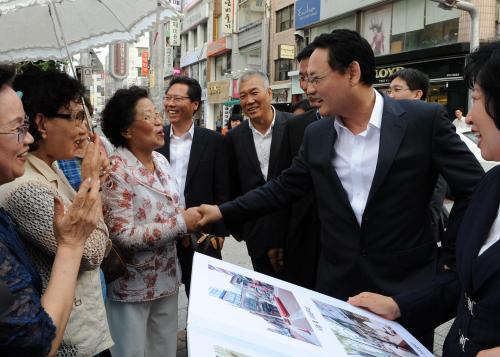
(42, 65)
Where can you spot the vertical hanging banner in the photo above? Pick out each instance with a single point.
(175, 33)
(169, 61)
(145, 64)
(227, 16)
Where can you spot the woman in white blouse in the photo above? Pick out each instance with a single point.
(144, 216)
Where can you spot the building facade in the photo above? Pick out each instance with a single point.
(406, 33)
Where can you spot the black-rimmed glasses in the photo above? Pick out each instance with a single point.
(21, 130)
(77, 117)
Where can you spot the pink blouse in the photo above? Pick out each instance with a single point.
(143, 215)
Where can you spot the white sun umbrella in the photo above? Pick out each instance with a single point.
(56, 29)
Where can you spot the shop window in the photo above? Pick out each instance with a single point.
(282, 67)
(284, 18)
(436, 34)
(205, 32)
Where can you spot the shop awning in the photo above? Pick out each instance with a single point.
(231, 102)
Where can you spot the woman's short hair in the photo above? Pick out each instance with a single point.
(483, 67)
(119, 113)
(46, 92)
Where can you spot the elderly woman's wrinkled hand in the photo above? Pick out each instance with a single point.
(73, 226)
(95, 163)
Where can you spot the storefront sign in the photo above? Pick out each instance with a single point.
(436, 69)
(307, 12)
(282, 95)
(145, 64)
(177, 71)
(169, 60)
(287, 51)
(227, 16)
(218, 47)
(119, 62)
(218, 92)
(175, 33)
(384, 73)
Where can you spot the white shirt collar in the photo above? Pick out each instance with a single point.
(268, 129)
(190, 132)
(375, 118)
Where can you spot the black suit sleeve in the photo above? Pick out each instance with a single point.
(430, 306)
(291, 185)
(461, 171)
(221, 182)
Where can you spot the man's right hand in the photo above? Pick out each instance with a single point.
(210, 214)
(191, 217)
(381, 305)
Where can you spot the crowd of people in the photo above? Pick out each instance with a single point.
(344, 197)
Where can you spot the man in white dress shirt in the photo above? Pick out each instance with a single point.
(198, 158)
(253, 149)
(372, 170)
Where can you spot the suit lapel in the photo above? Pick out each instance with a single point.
(278, 129)
(165, 150)
(329, 142)
(391, 134)
(250, 147)
(197, 148)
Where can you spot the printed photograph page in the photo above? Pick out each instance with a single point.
(235, 307)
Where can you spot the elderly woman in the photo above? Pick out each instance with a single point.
(142, 210)
(33, 322)
(52, 102)
(471, 293)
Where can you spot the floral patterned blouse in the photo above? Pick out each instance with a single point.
(144, 218)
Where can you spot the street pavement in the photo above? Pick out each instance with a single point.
(236, 253)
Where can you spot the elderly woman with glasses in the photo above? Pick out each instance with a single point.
(52, 101)
(144, 216)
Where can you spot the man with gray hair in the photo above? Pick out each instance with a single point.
(253, 149)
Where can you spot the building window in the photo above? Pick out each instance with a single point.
(205, 32)
(284, 18)
(140, 50)
(282, 67)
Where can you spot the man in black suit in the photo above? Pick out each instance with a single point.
(198, 158)
(301, 248)
(253, 149)
(373, 170)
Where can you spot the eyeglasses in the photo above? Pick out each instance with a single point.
(150, 118)
(77, 117)
(175, 99)
(21, 130)
(316, 79)
(391, 90)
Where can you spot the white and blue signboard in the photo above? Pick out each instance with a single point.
(307, 12)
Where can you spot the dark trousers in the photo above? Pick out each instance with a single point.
(185, 256)
(263, 265)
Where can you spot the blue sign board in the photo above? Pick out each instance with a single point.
(306, 12)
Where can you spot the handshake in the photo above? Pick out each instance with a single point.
(198, 217)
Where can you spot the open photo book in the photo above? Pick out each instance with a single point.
(236, 312)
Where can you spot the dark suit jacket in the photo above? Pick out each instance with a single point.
(477, 277)
(266, 232)
(303, 229)
(392, 250)
(207, 179)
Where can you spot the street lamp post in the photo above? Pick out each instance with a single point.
(474, 15)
